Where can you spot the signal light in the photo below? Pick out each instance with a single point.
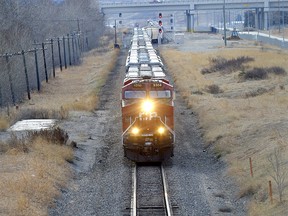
(160, 23)
(160, 15)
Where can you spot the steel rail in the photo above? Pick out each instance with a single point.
(167, 207)
(134, 191)
(166, 196)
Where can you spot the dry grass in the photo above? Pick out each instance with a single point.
(76, 88)
(32, 173)
(247, 119)
(4, 123)
(257, 209)
(34, 169)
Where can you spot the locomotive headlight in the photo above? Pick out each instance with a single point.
(161, 130)
(135, 131)
(147, 106)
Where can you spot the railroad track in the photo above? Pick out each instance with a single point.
(149, 191)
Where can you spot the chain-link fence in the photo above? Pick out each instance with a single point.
(23, 72)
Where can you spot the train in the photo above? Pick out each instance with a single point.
(147, 103)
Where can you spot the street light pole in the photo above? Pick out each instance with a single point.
(269, 19)
(115, 33)
(279, 15)
(283, 25)
(224, 20)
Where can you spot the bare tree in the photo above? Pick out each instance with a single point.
(280, 171)
(24, 22)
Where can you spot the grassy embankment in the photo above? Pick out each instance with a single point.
(34, 169)
(243, 114)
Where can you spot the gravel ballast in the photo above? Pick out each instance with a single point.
(197, 180)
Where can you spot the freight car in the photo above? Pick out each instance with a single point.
(147, 101)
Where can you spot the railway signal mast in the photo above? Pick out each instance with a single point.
(160, 35)
(224, 19)
(172, 22)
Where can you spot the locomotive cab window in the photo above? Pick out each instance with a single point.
(135, 94)
(160, 94)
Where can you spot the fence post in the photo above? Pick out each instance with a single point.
(73, 48)
(26, 75)
(270, 192)
(59, 51)
(44, 60)
(53, 62)
(1, 96)
(79, 48)
(10, 78)
(251, 166)
(69, 49)
(37, 70)
(79, 35)
(76, 49)
(64, 51)
(87, 43)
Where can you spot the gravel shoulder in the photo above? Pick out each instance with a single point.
(197, 179)
(102, 174)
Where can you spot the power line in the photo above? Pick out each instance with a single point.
(51, 20)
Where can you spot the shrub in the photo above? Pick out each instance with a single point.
(226, 66)
(261, 73)
(258, 92)
(249, 190)
(213, 89)
(256, 74)
(206, 71)
(15, 145)
(225, 209)
(55, 136)
(277, 70)
(278, 163)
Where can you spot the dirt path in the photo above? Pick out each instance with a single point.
(102, 176)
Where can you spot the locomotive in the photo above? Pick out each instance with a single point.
(147, 101)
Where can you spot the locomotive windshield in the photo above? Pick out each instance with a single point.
(135, 94)
(165, 94)
(160, 94)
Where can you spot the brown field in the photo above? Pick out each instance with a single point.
(78, 88)
(33, 171)
(243, 119)
(31, 177)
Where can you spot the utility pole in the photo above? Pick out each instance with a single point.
(283, 17)
(115, 32)
(78, 25)
(279, 15)
(115, 43)
(224, 20)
